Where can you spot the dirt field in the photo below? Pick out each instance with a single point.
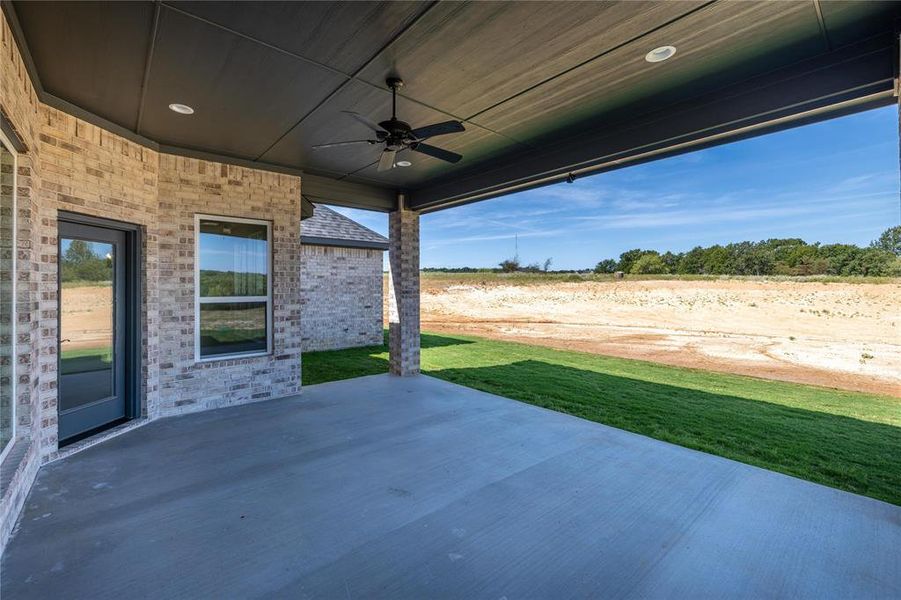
(844, 335)
(87, 317)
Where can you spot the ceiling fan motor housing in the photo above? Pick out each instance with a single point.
(398, 135)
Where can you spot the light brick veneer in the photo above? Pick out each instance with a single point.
(403, 289)
(341, 297)
(70, 165)
(189, 187)
(20, 106)
(88, 170)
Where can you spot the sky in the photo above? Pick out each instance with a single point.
(831, 182)
(230, 253)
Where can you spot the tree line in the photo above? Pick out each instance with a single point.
(778, 256)
(81, 263)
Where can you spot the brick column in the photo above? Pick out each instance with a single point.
(403, 291)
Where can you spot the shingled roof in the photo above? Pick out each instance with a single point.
(329, 228)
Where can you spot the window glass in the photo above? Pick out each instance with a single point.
(86, 320)
(232, 328)
(233, 288)
(234, 259)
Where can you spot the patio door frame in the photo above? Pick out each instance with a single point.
(132, 308)
(9, 142)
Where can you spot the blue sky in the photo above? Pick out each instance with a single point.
(836, 181)
(229, 253)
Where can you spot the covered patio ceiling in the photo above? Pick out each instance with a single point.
(545, 90)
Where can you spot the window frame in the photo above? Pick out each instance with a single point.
(14, 363)
(198, 217)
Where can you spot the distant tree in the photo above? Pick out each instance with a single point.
(649, 263)
(608, 265)
(894, 268)
(692, 262)
(715, 260)
(510, 265)
(750, 258)
(873, 262)
(79, 251)
(627, 258)
(840, 258)
(889, 240)
(80, 263)
(785, 251)
(547, 264)
(671, 261)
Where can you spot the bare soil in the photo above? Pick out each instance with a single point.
(841, 335)
(87, 317)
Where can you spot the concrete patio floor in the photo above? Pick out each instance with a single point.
(382, 487)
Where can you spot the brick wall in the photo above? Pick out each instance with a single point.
(341, 295)
(74, 166)
(189, 187)
(403, 292)
(88, 170)
(7, 300)
(20, 106)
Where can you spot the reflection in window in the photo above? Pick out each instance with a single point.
(7, 295)
(234, 258)
(232, 328)
(233, 287)
(86, 322)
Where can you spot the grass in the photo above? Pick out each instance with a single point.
(847, 440)
(83, 360)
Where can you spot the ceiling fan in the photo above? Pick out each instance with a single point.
(398, 135)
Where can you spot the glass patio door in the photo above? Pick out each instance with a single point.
(92, 331)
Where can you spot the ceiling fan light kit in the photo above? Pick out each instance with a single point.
(397, 135)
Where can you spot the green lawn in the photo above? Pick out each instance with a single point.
(86, 359)
(847, 440)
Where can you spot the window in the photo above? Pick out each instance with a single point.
(7, 295)
(233, 287)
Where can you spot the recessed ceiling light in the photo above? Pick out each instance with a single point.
(403, 163)
(182, 109)
(660, 54)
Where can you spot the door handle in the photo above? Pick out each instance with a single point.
(65, 340)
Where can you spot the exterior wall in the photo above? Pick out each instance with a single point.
(341, 295)
(20, 105)
(403, 290)
(88, 170)
(70, 165)
(7, 299)
(188, 187)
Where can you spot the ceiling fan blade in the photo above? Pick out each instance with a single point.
(386, 161)
(451, 157)
(365, 121)
(438, 129)
(333, 144)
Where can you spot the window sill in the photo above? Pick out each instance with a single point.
(227, 357)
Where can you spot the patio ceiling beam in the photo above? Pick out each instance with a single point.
(347, 193)
(844, 81)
